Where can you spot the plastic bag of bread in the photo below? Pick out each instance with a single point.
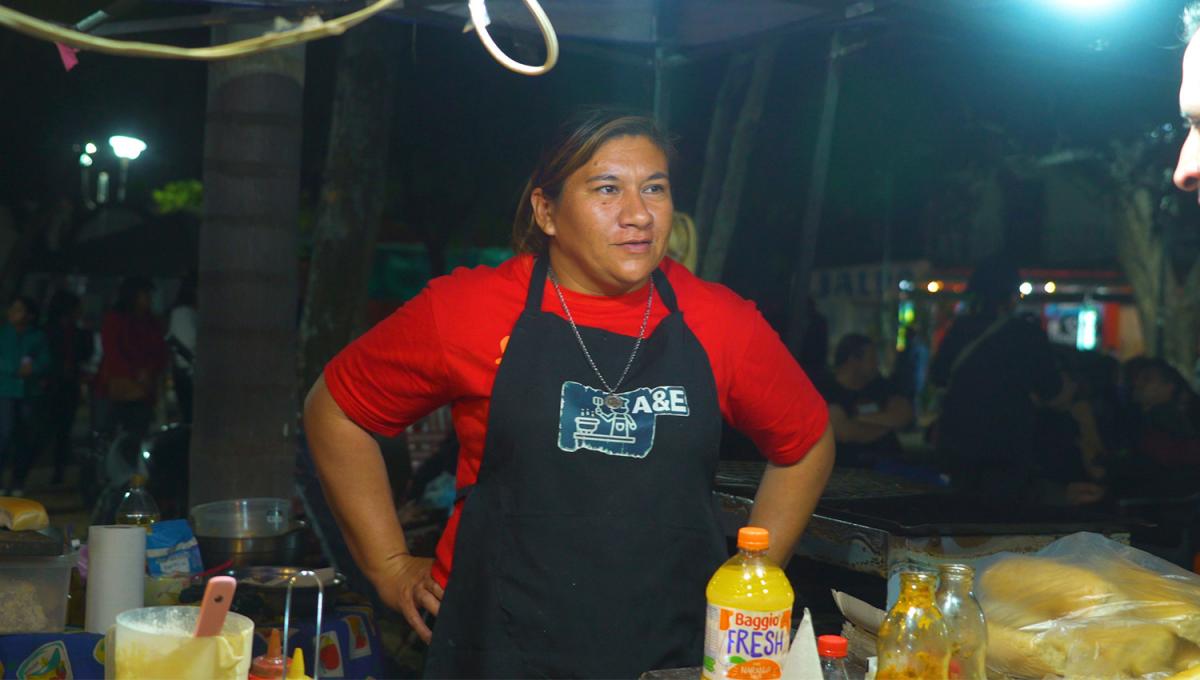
(1088, 607)
(22, 514)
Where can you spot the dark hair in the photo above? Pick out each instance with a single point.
(31, 308)
(128, 292)
(1191, 21)
(63, 302)
(851, 346)
(994, 282)
(573, 146)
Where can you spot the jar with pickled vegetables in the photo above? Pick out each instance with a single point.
(913, 641)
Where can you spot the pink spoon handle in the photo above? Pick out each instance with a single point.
(218, 595)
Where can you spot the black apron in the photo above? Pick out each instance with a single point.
(585, 546)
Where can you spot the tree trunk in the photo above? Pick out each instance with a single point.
(725, 217)
(1168, 308)
(716, 152)
(352, 197)
(243, 439)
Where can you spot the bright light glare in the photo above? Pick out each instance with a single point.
(934, 286)
(1050, 287)
(1085, 336)
(1087, 6)
(1026, 288)
(128, 148)
(89, 147)
(85, 161)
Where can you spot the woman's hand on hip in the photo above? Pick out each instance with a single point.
(406, 584)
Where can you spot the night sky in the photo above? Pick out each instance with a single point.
(914, 101)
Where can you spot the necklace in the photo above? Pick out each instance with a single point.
(610, 399)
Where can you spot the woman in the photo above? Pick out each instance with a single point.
(133, 356)
(23, 363)
(589, 415)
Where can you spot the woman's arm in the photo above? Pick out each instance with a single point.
(788, 494)
(355, 481)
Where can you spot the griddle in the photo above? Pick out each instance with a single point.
(873, 523)
(44, 543)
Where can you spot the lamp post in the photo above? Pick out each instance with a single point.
(127, 149)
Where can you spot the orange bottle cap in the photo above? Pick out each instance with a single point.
(753, 538)
(835, 646)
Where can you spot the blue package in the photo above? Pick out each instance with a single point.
(171, 549)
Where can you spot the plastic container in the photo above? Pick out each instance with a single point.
(749, 623)
(137, 506)
(964, 622)
(33, 593)
(913, 642)
(833, 650)
(242, 518)
(153, 643)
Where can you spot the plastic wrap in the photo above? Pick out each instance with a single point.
(1088, 607)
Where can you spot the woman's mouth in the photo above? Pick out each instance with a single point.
(635, 247)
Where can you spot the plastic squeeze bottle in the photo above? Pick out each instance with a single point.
(272, 664)
(749, 623)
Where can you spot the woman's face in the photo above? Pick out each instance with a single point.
(17, 314)
(610, 225)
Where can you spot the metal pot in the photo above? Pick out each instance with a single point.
(247, 551)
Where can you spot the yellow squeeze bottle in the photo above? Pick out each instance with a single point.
(749, 623)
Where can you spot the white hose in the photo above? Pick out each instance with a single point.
(480, 20)
(311, 28)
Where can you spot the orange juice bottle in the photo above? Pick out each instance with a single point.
(749, 623)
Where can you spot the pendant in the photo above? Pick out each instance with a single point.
(613, 401)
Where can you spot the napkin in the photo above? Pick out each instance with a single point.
(802, 662)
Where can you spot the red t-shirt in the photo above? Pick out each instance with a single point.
(445, 345)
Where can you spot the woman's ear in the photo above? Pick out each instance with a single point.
(543, 211)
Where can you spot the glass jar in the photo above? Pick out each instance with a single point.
(913, 642)
(964, 622)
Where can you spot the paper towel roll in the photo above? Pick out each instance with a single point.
(116, 573)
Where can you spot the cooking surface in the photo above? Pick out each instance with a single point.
(948, 514)
(742, 477)
(29, 544)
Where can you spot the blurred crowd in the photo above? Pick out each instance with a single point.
(1005, 415)
(55, 371)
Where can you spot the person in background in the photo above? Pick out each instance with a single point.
(23, 364)
(70, 346)
(181, 337)
(864, 408)
(995, 365)
(134, 356)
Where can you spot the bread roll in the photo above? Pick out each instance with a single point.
(1022, 653)
(22, 514)
(1020, 591)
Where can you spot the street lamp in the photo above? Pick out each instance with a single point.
(127, 149)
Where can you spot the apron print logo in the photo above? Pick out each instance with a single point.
(587, 421)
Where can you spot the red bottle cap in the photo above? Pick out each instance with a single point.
(832, 645)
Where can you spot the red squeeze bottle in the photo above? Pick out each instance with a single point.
(271, 665)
